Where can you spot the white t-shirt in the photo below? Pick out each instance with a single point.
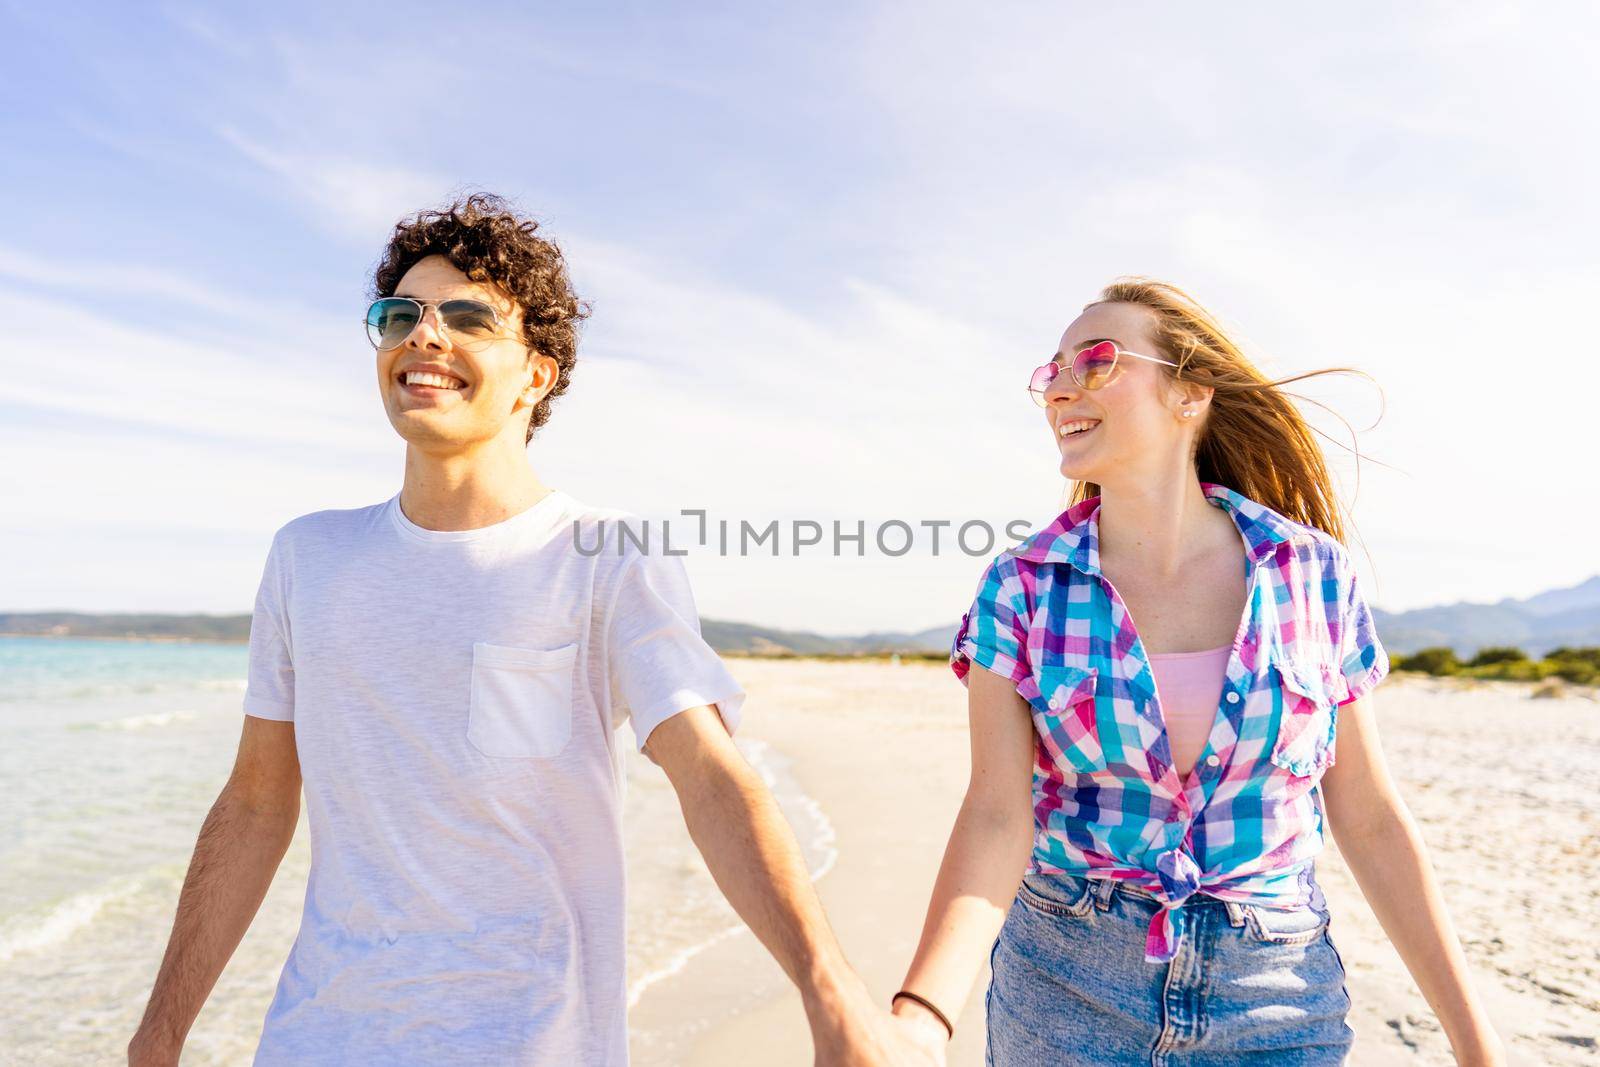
(456, 697)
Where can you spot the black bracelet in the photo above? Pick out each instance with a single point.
(937, 1014)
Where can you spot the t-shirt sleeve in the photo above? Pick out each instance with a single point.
(658, 663)
(1363, 661)
(993, 633)
(269, 692)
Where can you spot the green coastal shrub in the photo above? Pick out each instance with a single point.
(1488, 657)
(1579, 666)
(1577, 671)
(1437, 660)
(1513, 670)
(1589, 655)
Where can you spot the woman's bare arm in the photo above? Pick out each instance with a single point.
(987, 853)
(1384, 849)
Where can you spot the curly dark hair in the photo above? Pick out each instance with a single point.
(489, 241)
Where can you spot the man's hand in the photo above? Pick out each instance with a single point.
(148, 1050)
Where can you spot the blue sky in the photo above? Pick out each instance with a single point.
(824, 245)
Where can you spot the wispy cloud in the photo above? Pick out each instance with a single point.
(139, 281)
(354, 198)
(823, 261)
(245, 371)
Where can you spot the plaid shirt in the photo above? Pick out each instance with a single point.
(1108, 803)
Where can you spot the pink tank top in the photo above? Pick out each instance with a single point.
(1189, 688)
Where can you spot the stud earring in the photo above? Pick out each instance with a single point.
(1188, 413)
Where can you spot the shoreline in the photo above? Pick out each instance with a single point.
(165, 639)
(1459, 683)
(771, 766)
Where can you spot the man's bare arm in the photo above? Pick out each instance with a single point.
(243, 840)
(752, 853)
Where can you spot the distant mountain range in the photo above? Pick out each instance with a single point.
(161, 627)
(1536, 625)
(759, 640)
(723, 636)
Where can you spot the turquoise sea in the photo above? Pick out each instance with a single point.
(44, 668)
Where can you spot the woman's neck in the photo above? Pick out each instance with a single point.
(1158, 527)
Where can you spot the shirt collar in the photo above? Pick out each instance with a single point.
(1074, 536)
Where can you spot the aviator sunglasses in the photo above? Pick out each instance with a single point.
(1094, 367)
(466, 324)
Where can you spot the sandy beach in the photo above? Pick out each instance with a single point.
(1505, 787)
(867, 759)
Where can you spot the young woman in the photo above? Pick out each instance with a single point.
(1165, 670)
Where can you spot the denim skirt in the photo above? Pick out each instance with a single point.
(1249, 985)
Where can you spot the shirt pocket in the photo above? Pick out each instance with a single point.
(1064, 717)
(1304, 743)
(521, 705)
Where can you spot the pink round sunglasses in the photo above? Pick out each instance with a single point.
(1094, 367)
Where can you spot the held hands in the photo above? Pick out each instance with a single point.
(852, 1031)
(883, 1040)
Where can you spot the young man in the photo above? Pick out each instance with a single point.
(445, 673)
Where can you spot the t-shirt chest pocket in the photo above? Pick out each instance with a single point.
(521, 703)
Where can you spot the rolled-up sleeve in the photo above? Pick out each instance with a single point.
(1363, 661)
(993, 632)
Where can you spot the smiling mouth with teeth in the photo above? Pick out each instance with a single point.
(436, 381)
(1077, 427)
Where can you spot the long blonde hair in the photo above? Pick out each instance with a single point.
(1253, 440)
